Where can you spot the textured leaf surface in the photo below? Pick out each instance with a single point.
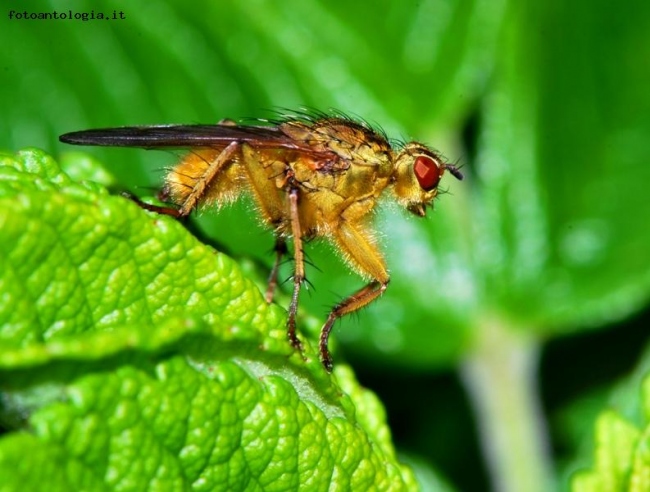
(133, 357)
(621, 452)
(545, 105)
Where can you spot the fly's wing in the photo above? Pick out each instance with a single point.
(181, 136)
(217, 137)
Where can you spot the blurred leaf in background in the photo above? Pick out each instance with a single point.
(546, 105)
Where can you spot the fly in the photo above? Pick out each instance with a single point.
(311, 176)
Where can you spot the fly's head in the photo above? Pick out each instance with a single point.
(417, 173)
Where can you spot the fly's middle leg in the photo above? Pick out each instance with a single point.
(299, 269)
(280, 249)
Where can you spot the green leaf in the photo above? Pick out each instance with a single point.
(133, 357)
(621, 454)
(545, 104)
(560, 248)
(616, 440)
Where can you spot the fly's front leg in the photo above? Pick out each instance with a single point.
(359, 299)
(280, 251)
(363, 254)
(299, 269)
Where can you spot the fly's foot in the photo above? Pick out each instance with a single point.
(325, 356)
(326, 359)
(291, 334)
(295, 341)
(171, 211)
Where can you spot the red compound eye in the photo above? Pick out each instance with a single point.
(427, 172)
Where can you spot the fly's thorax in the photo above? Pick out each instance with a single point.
(416, 175)
(347, 139)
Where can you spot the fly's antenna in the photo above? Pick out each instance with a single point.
(454, 171)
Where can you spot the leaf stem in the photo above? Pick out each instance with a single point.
(500, 377)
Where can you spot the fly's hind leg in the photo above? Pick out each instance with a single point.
(363, 254)
(197, 187)
(162, 210)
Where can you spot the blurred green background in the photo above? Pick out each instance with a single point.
(547, 108)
